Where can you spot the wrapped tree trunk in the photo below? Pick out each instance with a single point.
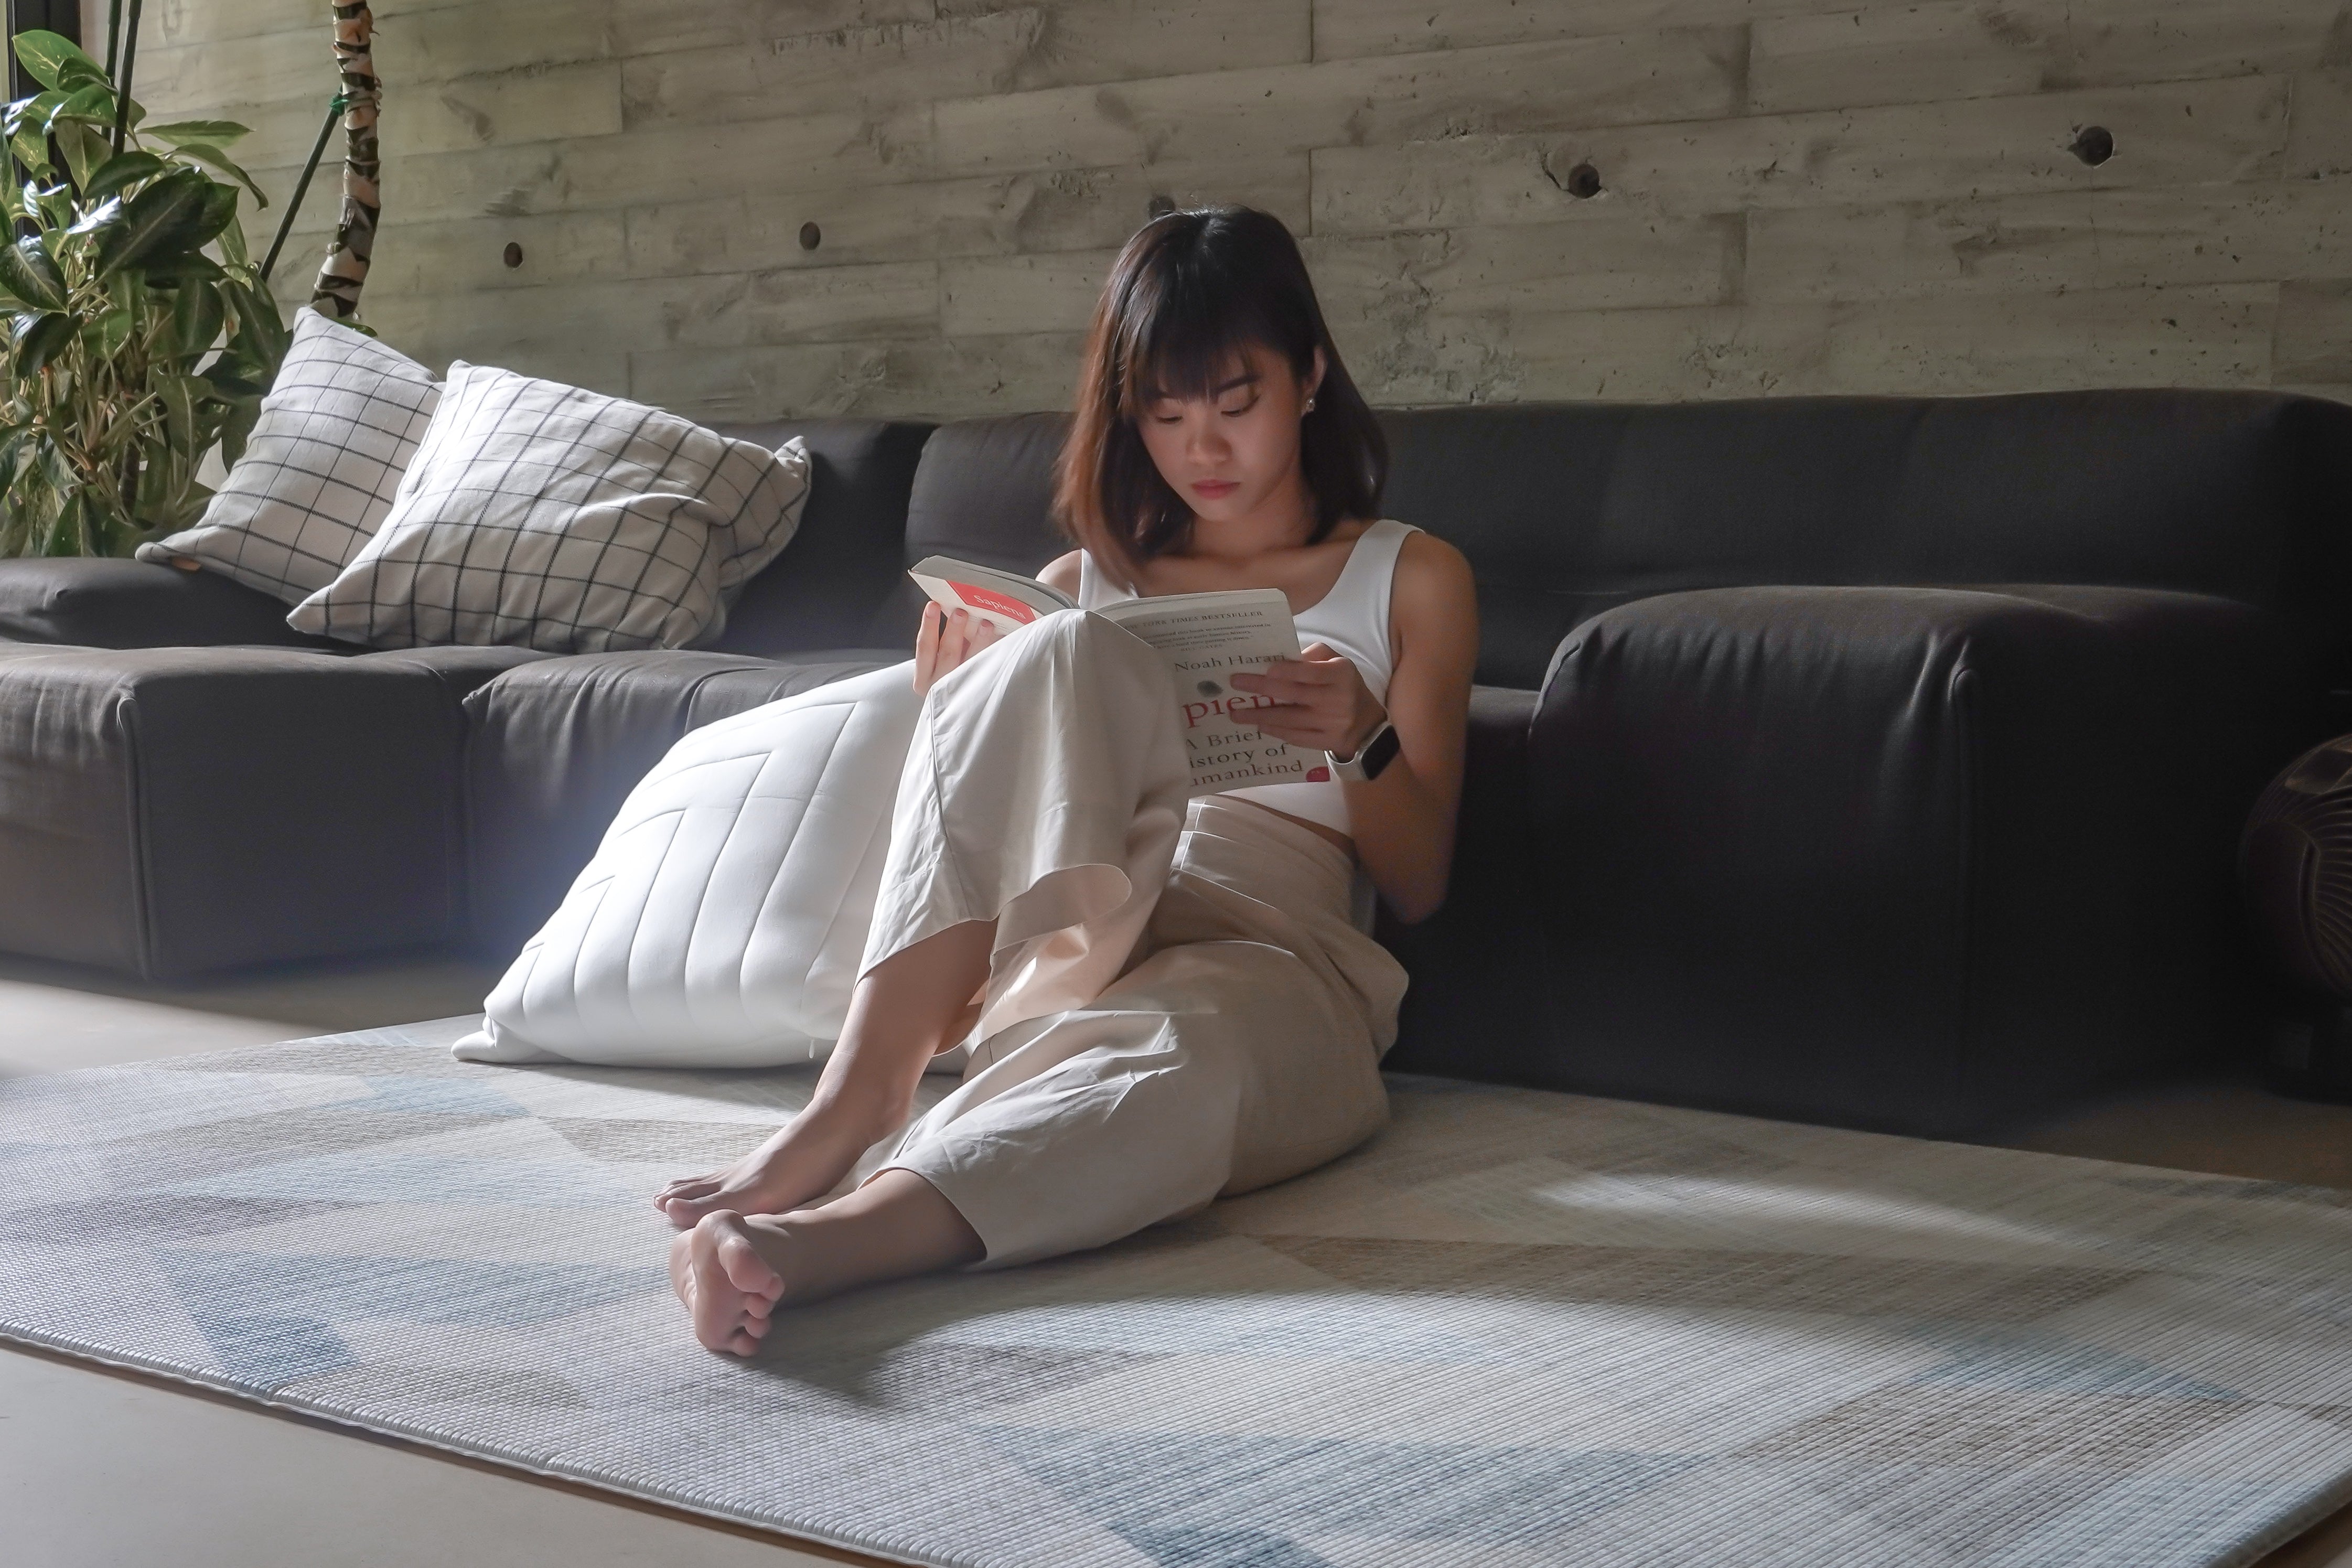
(337, 291)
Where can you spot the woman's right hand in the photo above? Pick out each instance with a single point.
(945, 640)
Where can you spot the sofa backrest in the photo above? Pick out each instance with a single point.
(983, 492)
(1566, 510)
(843, 562)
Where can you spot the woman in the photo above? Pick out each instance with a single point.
(1167, 1000)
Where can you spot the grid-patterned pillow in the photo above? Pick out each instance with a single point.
(336, 432)
(548, 517)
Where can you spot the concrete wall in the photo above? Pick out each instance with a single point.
(1794, 195)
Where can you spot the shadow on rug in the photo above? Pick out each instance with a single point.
(1517, 1327)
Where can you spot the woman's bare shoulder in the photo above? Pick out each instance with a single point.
(1435, 568)
(1434, 598)
(1062, 573)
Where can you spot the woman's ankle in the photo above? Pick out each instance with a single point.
(844, 1128)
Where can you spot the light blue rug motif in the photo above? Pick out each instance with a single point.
(1516, 1329)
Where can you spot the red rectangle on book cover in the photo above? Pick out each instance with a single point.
(987, 599)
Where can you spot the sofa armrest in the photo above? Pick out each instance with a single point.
(1917, 858)
(104, 603)
(169, 812)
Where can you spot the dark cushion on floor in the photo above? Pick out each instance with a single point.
(132, 603)
(553, 749)
(1905, 857)
(171, 811)
(1476, 962)
(844, 560)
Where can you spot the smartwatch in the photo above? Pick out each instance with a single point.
(1370, 757)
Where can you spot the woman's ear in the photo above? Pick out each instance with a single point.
(1314, 377)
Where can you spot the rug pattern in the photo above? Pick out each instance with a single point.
(1517, 1328)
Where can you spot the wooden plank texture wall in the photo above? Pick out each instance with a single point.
(1795, 195)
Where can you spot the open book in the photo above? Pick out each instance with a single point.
(1206, 637)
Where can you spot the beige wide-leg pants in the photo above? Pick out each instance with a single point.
(1180, 1005)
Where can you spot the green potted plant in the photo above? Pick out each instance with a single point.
(139, 332)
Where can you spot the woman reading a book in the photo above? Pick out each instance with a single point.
(1168, 997)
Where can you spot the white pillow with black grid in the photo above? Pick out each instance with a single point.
(336, 432)
(544, 516)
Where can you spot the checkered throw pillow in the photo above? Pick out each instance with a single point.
(336, 432)
(548, 517)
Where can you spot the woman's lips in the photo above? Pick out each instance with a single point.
(1215, 489)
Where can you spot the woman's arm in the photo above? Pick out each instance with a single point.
(1062, 571)
(1402, 820)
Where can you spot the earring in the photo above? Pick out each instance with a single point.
(1310, 406)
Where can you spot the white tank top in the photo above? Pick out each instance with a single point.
(1352, 619)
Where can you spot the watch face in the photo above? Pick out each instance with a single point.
(1376, 755)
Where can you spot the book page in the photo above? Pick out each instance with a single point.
(1208, 637)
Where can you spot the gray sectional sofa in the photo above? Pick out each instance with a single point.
(1869, 761)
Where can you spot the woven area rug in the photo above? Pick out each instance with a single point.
(1517, 1328)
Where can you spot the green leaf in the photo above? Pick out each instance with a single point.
(105, 334)
(39, 335)
(66, 532)
(122, 169)
(237, 426)
(30, 273)
(219, 212)
(52, 60)
(213, 155)
(31, 151)
(214, 133)
(264, 330)
(155, 218)
(107, 211)
(197, 316)
(94, 103)
(32, 113)
(180, 394)
(85, 147)
(232, 245)
(186, 271)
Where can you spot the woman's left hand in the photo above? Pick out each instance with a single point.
(1320, 702)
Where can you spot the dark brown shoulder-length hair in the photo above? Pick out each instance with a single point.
(1189, 293)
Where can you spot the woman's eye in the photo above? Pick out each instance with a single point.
(1237, 412)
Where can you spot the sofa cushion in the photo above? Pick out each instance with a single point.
(553, 749)
(171, 811)
(1909, 857)
(1568, 510)
(336, 432)
(983, 492)
(99, 603)
(849, 551)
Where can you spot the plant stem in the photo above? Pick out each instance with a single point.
(335, 107)
(113, 34)
(122, 88)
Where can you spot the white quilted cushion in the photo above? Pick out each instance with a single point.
(723, 919)
(317, 477)
(550, 517)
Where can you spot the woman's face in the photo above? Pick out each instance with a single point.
(1227, 453)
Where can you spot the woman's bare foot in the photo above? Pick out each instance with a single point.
(798, 1164)
(729, 1288)
(733, 1271)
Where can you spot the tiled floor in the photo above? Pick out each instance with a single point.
(97, 1469)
